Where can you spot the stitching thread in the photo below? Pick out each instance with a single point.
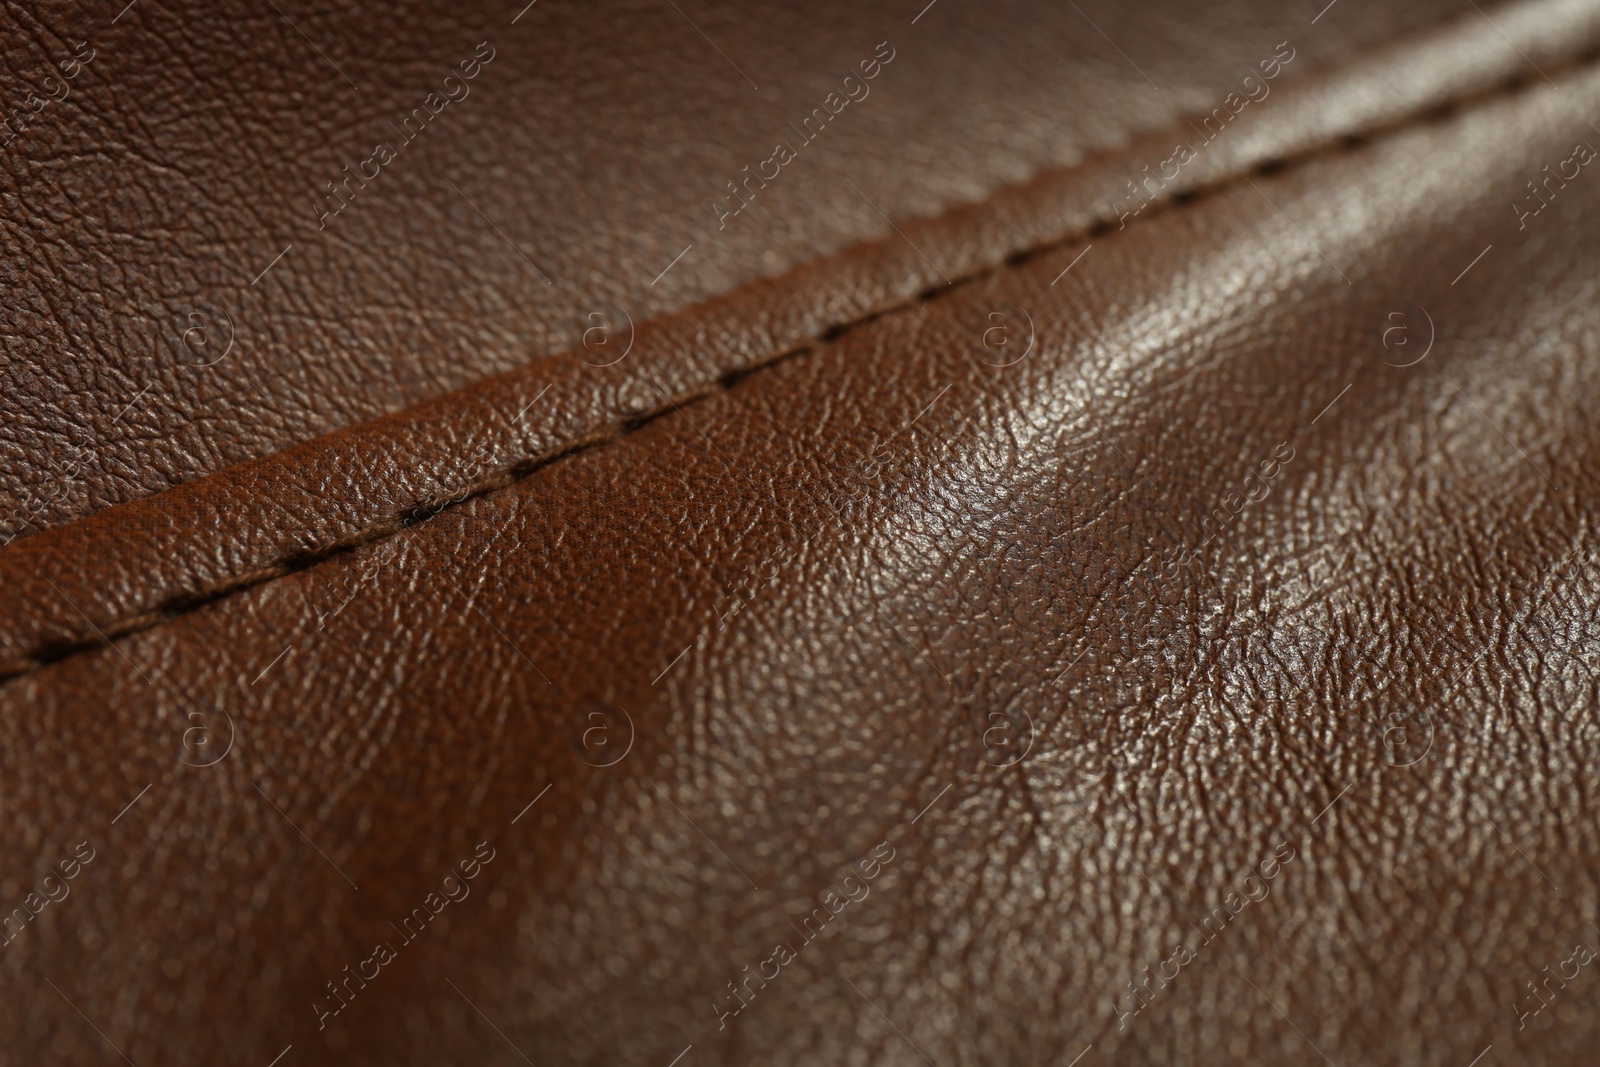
(1436, 112)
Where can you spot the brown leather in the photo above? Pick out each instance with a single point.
(150, 344)
(1002, 630)
(262, 518)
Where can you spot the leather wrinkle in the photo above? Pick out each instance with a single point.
(1435, 112)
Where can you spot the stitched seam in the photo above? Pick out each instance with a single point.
(1435, 112)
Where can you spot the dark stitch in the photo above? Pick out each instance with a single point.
(1341, 144)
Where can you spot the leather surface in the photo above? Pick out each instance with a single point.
(1003, 659)
(138, 563)
(155, 337)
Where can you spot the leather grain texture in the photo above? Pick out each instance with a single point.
(249, 523)
(1169, 642)
(156, 337)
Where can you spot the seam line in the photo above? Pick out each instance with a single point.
(1341, 144)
